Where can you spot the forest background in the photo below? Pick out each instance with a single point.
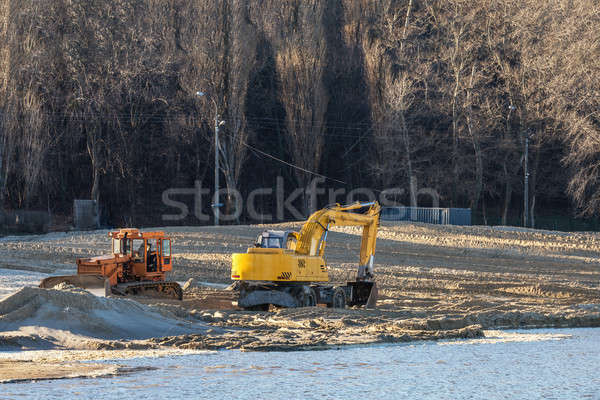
(98, 101)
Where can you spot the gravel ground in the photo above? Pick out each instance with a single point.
(434, 282)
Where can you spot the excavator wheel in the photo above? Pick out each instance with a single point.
(307, 297)
(338, 299)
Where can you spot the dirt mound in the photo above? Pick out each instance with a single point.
(57, 316)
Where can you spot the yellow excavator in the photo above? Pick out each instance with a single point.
(287, 269)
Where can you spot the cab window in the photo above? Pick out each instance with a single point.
(138, 250)
(126, 246)
(271, 242)
(291, 242)
(152, 255)
(166, 245)
(274, 243)
(117, 246)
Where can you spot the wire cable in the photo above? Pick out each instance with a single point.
(285, 162)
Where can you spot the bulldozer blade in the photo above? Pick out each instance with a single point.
(96, 284)
(372, 301)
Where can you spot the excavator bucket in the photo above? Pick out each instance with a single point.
(96, 284)
(363, 293)
(372, 300)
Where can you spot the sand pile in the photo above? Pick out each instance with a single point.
(64, 315)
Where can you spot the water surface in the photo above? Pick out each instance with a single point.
(535, 364)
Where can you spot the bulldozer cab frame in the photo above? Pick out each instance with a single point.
(150, 252)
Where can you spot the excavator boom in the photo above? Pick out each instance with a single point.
(313, 235)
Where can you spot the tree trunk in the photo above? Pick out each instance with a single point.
(484, 212)
(533, 182)
(455, 142)
(4, 67)
(413, 191)
(92, 148)
(2, 181)
(199, 158)
(507, 194)
(229, 199)
(304, 184)
(95, 194)
(478, 175)
(532, 211)
(476, 149)
(409, 169)
(406, 22)
(411, 177)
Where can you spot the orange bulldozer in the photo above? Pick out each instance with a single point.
(137, 266)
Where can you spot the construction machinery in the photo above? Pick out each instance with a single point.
(287, 268)
(137, 266)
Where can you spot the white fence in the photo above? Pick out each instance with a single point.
(440, 216)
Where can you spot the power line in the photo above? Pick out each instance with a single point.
(285, 162)
(160, 117)
(252, 122)
(295, 166)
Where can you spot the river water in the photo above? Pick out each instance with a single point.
(544, 364)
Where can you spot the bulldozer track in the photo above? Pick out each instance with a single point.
(151, 289)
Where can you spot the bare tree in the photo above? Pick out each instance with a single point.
(93, 66)
(300, 59)
(202, 45)
(498, 28)
(5, 6)
(26, 70)
(96, 96)
(571, 53)
(456, 21)
(240, 59)
(394, 76)
(475, 133)
(461, 48)
(219, 51)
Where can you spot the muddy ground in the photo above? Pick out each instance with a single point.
(434, 282)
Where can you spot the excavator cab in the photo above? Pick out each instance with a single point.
(277, 240)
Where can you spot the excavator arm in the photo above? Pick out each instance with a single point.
(312, 238)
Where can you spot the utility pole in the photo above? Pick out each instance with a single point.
(526, 183)
(218, 123)
(216, 198)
